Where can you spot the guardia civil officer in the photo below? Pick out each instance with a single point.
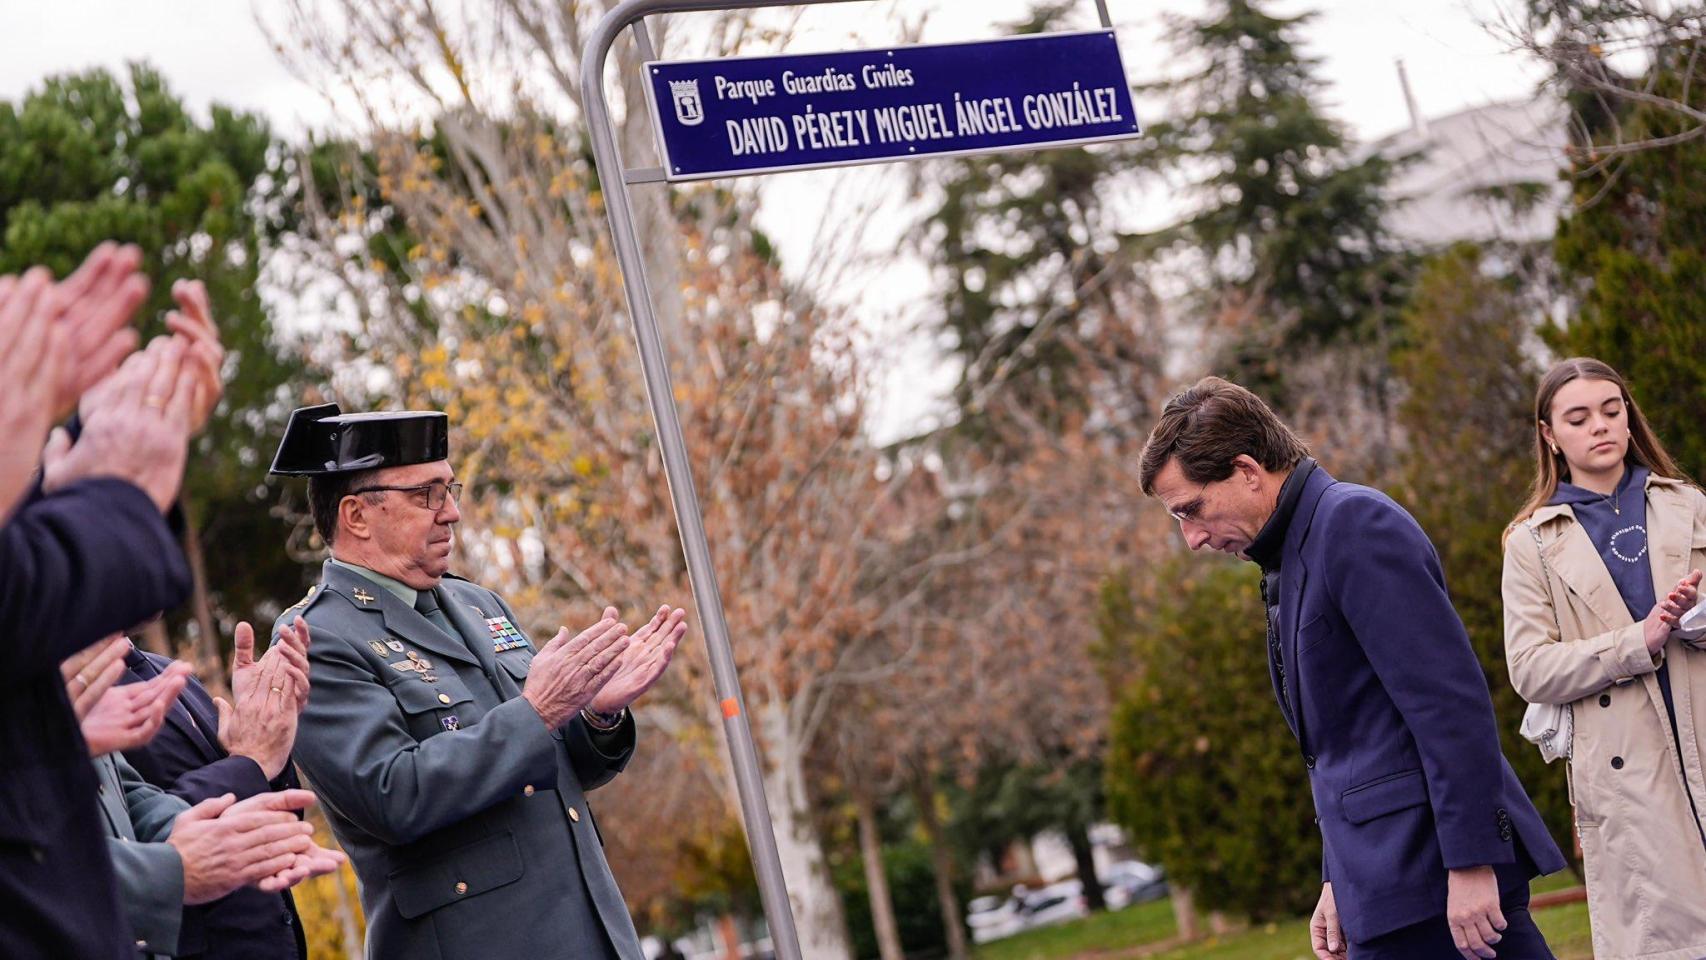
(453, 757)
(1428, 839)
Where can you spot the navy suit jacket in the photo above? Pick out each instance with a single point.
(1394, 717)
(185, 759)
(87, 561)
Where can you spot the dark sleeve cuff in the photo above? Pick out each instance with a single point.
(236, 775)
(617, 742)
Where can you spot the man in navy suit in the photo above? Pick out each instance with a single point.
(1428, 839)
(207, 748)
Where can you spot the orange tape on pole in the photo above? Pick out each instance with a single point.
(731, 708)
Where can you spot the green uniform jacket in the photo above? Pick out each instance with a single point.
(464, 817)
(139, 817)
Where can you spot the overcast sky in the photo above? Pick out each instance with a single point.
(214, 50)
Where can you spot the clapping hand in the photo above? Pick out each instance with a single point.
(129, 716)
(30, 365)
(118, 718)
(204, 356)
(269, 695)
(95, 305)
(649, 653)
(91, 672)
(569, 671)
(1667, 613)
(136, 426)
(314, 862)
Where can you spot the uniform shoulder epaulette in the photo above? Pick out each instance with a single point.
(313, 596)
(307, 598)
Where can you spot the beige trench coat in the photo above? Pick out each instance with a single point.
(1569, 639)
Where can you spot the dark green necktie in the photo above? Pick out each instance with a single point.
(426, 604)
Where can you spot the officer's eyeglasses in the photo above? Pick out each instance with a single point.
(429, 495)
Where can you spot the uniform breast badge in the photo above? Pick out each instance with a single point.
(505, 636)
(418, 665)
(378, 648)
(451, 723)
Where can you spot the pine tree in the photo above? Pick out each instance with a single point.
(1288, 225)
(86, 158)
(1037, 281)
(1630, 253)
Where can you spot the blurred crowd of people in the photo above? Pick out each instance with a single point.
(139, 814)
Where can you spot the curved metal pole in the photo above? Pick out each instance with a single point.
(749, 780)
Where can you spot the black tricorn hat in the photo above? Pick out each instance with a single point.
(321, 440)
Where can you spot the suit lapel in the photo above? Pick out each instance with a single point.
(195, 714)
(112, 799)
(1294, 575)
(393, 615)
(179, 716)
(142, 669)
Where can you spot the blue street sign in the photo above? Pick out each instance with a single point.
(746, 115)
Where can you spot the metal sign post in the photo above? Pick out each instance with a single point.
(1078, 94)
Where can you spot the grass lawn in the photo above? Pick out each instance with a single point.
(1141, 931)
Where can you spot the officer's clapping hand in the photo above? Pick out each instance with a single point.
(225, 844)
(269, 694)
(569, 671)
(136, 427)
(648, 653)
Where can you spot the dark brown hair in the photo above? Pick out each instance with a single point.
(326, 491)
(1550, 468)
(1208, 425)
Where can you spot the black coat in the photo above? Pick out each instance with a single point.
(185, 759)
(75, 566)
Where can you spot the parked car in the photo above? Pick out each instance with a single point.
(1132, 881)
(1055, 903)
(992, 918)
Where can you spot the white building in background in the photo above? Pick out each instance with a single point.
(1447, 194)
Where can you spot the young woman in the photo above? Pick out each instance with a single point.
(1599, 566)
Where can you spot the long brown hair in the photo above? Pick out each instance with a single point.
(1549, 468)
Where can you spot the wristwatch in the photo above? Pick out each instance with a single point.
(603, 723)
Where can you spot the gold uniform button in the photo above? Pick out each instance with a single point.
(461, 888)
(444, 698)
(574, 815)
(527, 791)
